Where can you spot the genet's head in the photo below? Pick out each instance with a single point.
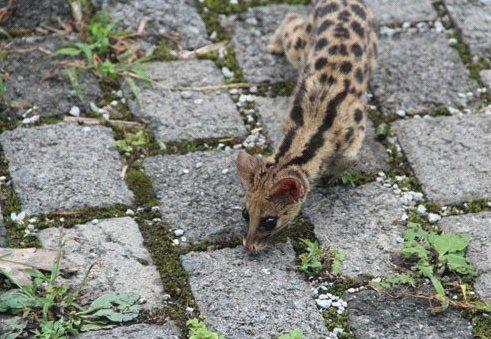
(273, 198)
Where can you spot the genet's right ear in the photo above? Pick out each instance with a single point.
(246, 167)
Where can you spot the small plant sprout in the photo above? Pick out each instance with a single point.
(132, 142)
(349, 179)
(310, 261)
(295, 334)
(198, 330)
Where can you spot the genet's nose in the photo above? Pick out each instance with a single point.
(249, 247)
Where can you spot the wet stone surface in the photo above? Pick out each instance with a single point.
(478, 228)
(397, 12)
(449, 155)
(244, 296)
(172, 17)
(187, 114)
(138, 331)
(473, 19)
(274, 110)
(39, 80)
(107, 244)
(64, 166)
(199, 193)
(419, 73)
(251, 35)
(374, 316)
(30, 14)
(364, 223)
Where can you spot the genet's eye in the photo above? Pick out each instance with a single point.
(268, 224)
(245, 214)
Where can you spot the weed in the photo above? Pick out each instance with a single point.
(392, 280)
(295, 334)
(336, 259)
(132, 142)
(382, 131)
(334, 320)
(310, 261)
(52, 308)
(349, 179)
(198, 330)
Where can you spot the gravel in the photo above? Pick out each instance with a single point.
(167, 331)
(391, 12)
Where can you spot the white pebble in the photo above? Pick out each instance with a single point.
(175, 242)
(185, 171)
(189, 309)
(95, 221)
(401, 113)
(322, 303)
(184, 239)
(225, 171)
(178, 232)
(199, 165)
(227, 73)
(130, 212)
(75, 111)
(421, 210)
(432, 218)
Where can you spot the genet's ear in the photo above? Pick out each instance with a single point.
(246, 167)
(289, 188)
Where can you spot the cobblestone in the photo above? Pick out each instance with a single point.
(29, 15)
(138, 331)
(364, 223)
(163, 17)
(251, 35)
(449, 156)
(392, 12)
(478, 228)
(64, 166)
(121, 262)
(374, 316)
(244, 296)
(187, 115)
(199, 193)
(420, 73)
(473, 19)
(37, 80)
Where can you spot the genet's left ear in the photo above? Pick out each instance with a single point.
(289, 188)
(246, 167)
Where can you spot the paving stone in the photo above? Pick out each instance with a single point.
(122, 264)
(419, 73)
(38, 79)
(486, 77)
(205, 202)
(391, 12)
(449, 155)
(138, 331)
(364, 223)
(251, 33)
(187, 115)
(473, 19)
(64, 166)
(244, 296)
(30, 14)
(373, 316)
(478, 228)
(163, 17)
(274, 110)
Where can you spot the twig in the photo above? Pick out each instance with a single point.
(205, 88)
(94, 121)
(202, 51)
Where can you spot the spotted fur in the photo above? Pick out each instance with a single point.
(335, 53)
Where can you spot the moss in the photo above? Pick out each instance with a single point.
(481, 326)
(334, 320)
(198, 145)
(142, 188)
(164, 53)
(232, 64)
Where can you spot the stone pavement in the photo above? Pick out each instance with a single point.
(55, 171)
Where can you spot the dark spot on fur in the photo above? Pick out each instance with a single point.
(346, 67)
(349, 134)
(323, 78)
(300, 43)
(320, 63)
(359, 75)
(343, 50)
(324, 26)
(356, 49)
(327, 9)
(355, 25)
(333, 50)
(341, 32)
(331, 80)
(344, 16)
(358, 115)
(308, 29)
(321, 44)
(359, 11)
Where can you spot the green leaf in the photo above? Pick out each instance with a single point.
(16, 301)
(295, 334)
(383, 130)
(125, 315)
(67, 51)
(134, 89)
(450, 243)
(483, 306)
(414, 248)
(87, 52)
(73, 78)
(120, 300)
(458, 263)
(198, 330)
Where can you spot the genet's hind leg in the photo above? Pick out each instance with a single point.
(291, 38)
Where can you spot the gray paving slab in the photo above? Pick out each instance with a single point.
(28, 14)
(420, 73)
(171, 17)
(397, 12)
(244, 296)
(374, 316)
(64, 166)
(251, 34)
(138, 331)
(199, 193)
(38, 80)
(486, 77)
(478, 228)
(121, 262)
(186, 115)
(449, 155)
(364, 223)
(274, 110)
(473, 19)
